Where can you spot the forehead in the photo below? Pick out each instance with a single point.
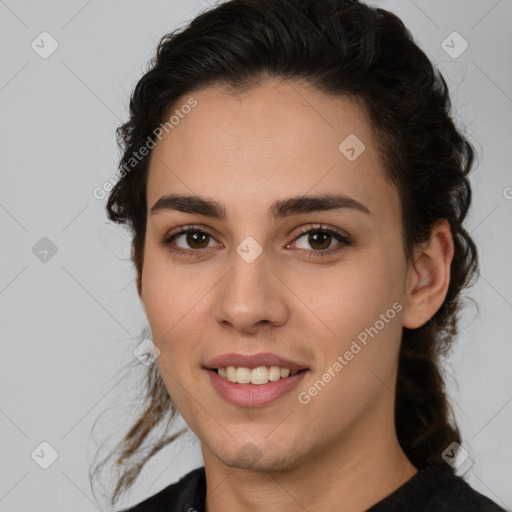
(278, 139)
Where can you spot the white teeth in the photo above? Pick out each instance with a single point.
(243, 375)
(259, 375)
(274, 373)
(231, 373)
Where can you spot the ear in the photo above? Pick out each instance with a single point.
(428, 276)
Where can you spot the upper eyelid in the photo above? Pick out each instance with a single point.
(324, 227)
(345, 237)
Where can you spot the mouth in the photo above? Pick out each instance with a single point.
(255, 380)
(256, 376)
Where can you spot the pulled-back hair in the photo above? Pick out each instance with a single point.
(342, 48)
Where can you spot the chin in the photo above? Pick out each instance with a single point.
(257, 458)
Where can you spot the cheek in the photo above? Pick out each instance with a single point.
(350, 298)
(167, 292)
(175, 299)
(358, 359)
(360, 309)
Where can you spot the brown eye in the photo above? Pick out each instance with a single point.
(320, 240)
(196, 239)
(188, 240)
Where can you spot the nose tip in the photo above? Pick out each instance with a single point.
(250, 298)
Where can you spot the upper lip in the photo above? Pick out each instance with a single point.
(253, 361)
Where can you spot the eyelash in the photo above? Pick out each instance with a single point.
(344, 240)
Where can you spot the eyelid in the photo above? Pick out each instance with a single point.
(169, 236)
(344, 238)
(323, 227)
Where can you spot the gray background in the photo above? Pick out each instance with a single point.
(70, 324)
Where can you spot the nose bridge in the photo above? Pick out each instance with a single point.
(251, 294)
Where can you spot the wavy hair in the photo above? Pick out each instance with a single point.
(342, 48)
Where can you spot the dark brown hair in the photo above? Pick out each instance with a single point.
(342, 48)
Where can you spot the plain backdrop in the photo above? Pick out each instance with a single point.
(70, 315)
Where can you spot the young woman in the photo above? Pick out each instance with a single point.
(296, 190)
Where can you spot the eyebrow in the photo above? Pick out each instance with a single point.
(280, 209)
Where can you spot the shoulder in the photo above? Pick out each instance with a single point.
(456, 494)
(436, 489)
(188, 493)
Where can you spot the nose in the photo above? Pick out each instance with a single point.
(251, 297)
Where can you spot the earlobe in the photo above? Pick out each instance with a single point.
(429, 277)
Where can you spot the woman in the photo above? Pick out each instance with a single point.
(296, 190)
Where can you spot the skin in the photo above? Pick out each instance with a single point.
(247, 150)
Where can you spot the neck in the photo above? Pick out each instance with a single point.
(364, 467)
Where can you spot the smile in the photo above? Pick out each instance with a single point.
(258, 376)
(247, 394)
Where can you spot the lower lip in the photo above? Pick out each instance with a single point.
(254, 395)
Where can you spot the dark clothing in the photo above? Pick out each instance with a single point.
(432, 489)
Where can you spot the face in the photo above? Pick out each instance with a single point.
(271, 274)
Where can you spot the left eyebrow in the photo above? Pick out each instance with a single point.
(280, 209)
